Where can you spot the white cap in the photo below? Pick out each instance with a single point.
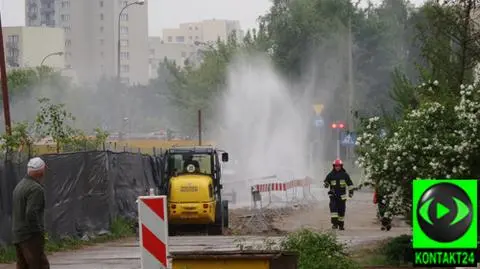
(35, 164)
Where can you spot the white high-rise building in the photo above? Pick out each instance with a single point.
(186, 43)
(91, 36)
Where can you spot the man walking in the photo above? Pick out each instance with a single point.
(338, 180)
(28, 218)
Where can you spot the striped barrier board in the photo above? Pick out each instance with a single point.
(153, 227)
(270, 187)
(267, 187)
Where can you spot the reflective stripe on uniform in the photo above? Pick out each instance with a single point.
(343, 196)
(334, 215)
(343, 183)
(333, 182)
(341, 218)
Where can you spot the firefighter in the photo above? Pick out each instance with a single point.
(338, 181)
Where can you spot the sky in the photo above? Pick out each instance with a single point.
(170, 13)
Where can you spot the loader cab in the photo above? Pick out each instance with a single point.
(195, 161)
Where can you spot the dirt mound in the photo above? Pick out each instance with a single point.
(245, 221)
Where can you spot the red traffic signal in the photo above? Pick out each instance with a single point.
(338, 125)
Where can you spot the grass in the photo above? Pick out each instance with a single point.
(120, 228)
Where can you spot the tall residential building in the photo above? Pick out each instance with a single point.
(207, 31)
(91, 36)
(178, 53)
(29, 46)
(186, 43)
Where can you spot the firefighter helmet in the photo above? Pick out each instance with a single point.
(337, 162)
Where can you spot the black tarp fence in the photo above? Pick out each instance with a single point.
(85, 191)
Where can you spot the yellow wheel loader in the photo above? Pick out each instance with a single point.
(193, 183)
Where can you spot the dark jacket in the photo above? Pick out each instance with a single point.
(28, 209)
(338, 182)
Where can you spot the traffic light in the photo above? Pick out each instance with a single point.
(338, 125)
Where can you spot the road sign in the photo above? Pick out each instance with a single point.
(319, 123)
(348, 138)
(318, 108)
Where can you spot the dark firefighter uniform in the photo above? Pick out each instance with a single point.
(338, 180)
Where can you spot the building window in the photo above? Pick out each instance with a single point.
(196, 28)
(101, 29)
(67, 29)
(170, 39)
(101, 16)
(123, 43)
(65, 4)
(124, 55)
(190, 38)
(184, 54)
(152, 52)
(179, 39)
(125, 80)
(101, 54)
(101, 3)
(124, 17)
(124, 30)
(68, 43)
(123, 3)
(190, 28)
(102, 41)
(12, 39)
(196, 37)
(65, 17)
(125, 68)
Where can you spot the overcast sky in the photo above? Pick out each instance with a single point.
(169, 13)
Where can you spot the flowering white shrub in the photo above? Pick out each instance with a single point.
(434, 141)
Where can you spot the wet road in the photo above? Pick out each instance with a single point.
(126, 254)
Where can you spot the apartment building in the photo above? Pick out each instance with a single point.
(32, 46)
(206, 31)
(186, 43)
(92, 33)
(178, 53)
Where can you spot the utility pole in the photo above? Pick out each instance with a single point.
(351, 91)
(3, 77)
(199, 127)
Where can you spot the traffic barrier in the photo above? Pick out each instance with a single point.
(153, 227)
(296, 192)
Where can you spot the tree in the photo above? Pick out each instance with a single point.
(53, 120)
(22, 81)
(19, 139)
(434, 141)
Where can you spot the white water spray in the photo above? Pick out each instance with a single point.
(264, 129)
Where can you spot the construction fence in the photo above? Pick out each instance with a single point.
(85, 191)
(277, 195)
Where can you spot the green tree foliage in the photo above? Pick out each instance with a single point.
(55, 121)
(22, 81)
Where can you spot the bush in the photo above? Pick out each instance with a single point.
(396, 250)
(318, 251)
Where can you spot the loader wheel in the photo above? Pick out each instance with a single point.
(217, 227)
(225, 213)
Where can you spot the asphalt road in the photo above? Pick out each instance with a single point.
(126, 254)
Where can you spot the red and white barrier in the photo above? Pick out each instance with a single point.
(153, 227)
(297, 191)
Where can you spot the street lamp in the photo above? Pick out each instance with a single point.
(338, 126)
(58, 53)
(138, 2)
